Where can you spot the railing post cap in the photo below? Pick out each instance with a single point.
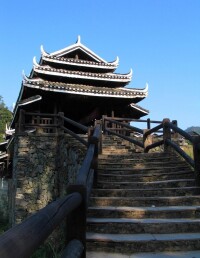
(166, 120)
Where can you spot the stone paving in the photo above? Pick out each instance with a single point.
(191, 254)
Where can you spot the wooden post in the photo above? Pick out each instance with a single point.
(93, 140)
(99, 122)
(148, 123)
(147, 140)
(166, 134)
(104, 123)
(175, 134)
(76, 220)
(21, 120)
(90, 132)
(196, 153)
(60, 122)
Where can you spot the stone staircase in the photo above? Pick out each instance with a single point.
(144, 202)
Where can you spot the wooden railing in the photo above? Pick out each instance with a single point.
(74, 205)
(23, 239)
(164, 130)
(121, 128)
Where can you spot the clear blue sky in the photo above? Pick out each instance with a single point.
(158, 39)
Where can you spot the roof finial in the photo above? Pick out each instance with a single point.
(131, 73)
(35, 62)
(78, 39)
(147, 86)
(25, 78)
(42, 50)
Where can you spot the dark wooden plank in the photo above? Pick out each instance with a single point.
(181, 132)
(76, 136)
(153, 145)
(23, 239)
(41, 114)
(134, 120)
(181, 152)
(78, 125)
(85, 168)
(196, 153)
(76, 220)
(153, 130)
(135, 129)
(126, 138)
(74, 249)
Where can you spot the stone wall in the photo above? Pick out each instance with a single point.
(3, 201)
(43, 165)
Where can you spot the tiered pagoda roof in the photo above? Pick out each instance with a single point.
(77, 72)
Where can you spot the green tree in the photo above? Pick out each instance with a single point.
(5, 117)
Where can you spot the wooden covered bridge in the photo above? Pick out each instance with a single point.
(83, 168)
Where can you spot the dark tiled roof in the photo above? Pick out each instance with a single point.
(86, 89)
(79, 61)
(79, 74)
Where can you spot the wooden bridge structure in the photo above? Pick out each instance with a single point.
(24, 238)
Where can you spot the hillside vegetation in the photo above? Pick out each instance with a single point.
(195, 129)
(5, 117)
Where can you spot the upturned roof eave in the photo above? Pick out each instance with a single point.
(102, 92)
(140, 109)
(82, 63)
(84, 75)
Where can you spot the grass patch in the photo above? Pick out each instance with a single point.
(3, 224)
(44, 251)
(189, 150)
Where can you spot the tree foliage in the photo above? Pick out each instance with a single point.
(5, 118)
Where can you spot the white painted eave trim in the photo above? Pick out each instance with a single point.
(3, 156)
(84, 75)
(29, 102)
(139, 109)
(86, 93)
(111, 65)
(77, 45)
(144, 90)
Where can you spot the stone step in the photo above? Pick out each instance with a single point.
(146, 185)
(141, 226)
(145, 201)
(145, 212)
(131, 243)
(131, 161)
(142, 156)
(184, 191)
(145, 178)
(142, 166)
(116, 151)
(125, 170)
(156, 254)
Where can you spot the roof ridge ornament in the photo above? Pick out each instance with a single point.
(78, 40)
(130, 74)
(25, 78)
(146, 87)
(43, 52)
(35, 64)
(116, 62)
